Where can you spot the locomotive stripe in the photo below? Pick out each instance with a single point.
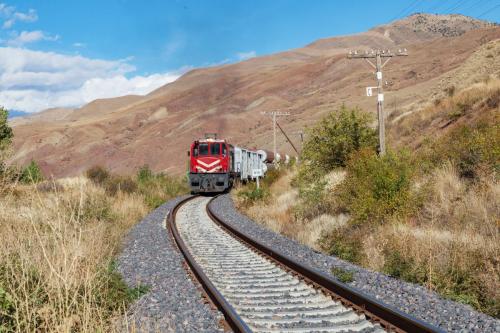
(208, 165)
(200, 168)
(208, 171)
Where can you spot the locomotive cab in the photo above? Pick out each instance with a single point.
(210, 166)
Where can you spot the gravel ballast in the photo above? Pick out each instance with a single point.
(410, 298)
(173, 302)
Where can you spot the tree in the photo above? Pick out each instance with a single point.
(32, 173)
(339, 134)
(329, 145)
(6, 133)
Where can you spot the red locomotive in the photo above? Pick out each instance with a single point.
(214, 165)
(210, 165)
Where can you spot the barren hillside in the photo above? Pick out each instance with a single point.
(126, 132)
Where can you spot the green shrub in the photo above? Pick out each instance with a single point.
(343, 275)
(32, 285)
(158, 187)
(7, 321)
(144, 174)
(114, 293)
(472, 149)
(116, 184)
(328, 146)
(98, 174)
(376, 188)
(335, 137)
(111, 183)
(272, 176)
(314, 200)
(345, 242)
(460, 283)
(94, 208)
(31, 173)
(404, 268)
(6, 133)
(251, 194)
(155, 188)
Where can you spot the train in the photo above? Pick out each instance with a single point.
(215, 165)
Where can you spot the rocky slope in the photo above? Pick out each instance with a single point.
(126, 132)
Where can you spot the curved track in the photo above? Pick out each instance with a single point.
(256, 291)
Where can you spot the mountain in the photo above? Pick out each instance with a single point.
(124, 133)
(16, 114)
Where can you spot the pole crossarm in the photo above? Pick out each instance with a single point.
(277, 113)
(373, 54)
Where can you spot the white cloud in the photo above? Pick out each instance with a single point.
(11, 16)
(34, 80)
(26, 37)
(246, 55)
(6, 10)
(78, 44)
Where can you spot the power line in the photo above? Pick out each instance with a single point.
(457, 5)
(488, 11)
(476, 4)
(440, 3)
(402, 12)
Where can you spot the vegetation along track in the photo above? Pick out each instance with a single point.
(260, 290)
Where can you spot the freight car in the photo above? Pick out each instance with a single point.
(215, 165)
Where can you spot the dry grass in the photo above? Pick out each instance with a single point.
(277, 213)
(480, 100)
(57, 245)
(277, 209)
(453, 245)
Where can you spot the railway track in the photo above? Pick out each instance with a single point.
(260, 290)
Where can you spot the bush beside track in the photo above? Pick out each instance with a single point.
(426, 214)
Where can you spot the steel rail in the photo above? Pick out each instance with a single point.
(232, 318)
(389, 317)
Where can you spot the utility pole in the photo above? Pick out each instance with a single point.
(275, 114)
(301, 134)
(378, 55)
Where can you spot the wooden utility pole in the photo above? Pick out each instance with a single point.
(378, 55)
(275, 114)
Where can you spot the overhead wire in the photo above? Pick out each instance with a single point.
(440, 3)
(477, 4)
(489, 11)
(403, 11)
(457, 5)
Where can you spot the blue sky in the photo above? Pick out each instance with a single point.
(90, 49)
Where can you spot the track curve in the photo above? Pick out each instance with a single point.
(259, 293)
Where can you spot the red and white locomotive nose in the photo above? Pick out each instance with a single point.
(208, 164)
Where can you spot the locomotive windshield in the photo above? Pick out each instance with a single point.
(215, 148)
(212, 148)
(203, 149)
